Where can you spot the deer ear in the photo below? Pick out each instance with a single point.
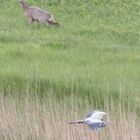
(21, 1)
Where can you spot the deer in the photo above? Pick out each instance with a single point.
(37, 14)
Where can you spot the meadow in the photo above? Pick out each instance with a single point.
(49, 76)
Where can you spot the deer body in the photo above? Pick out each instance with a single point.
(37, 14)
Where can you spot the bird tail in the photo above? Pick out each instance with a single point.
(75, 122)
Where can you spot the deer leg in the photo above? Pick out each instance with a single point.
(48, 24)
(38, 21)
(30, 21)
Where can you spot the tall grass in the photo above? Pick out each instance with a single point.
(32, 120)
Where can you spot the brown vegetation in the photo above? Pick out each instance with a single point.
(31, 120)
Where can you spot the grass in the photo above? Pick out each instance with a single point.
(90, 61)
(33, 120)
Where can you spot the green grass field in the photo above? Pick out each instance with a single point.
(92, 58)
(95, 51)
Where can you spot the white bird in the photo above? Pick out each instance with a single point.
(95, 120)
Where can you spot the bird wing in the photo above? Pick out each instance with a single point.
(94, 126)
(89, 114)
(96, 115)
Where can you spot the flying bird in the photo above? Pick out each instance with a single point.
(95, 120)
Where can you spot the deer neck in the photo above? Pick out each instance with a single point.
(24, 6)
